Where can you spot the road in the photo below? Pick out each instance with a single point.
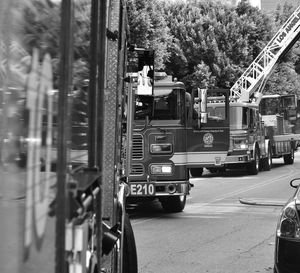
(216, 233)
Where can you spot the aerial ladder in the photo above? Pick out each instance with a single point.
(249, 87)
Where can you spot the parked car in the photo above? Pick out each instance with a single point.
(287, 246)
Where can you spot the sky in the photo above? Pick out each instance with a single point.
(255, 3)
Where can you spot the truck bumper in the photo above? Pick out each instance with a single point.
(159, 188)
(238, 159)
(206, 159)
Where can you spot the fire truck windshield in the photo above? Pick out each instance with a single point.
(270, 106)
(275, 104)
(216, 112)
(165, 105)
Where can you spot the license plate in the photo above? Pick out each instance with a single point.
(142, 189)
(217, 161)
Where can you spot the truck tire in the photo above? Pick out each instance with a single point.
(267, 165)
(173, 203)
(253, 166)
(196, 172)
(289, 158)
(130, 264)
(129, 259)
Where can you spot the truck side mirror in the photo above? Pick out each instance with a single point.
(141, 65)
(202, 94)
(203, 117)
(145, 58)
(199, 106)
(145, 71)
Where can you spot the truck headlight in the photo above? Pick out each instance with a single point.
(161, 148)
(240, 144)
(161, 169)
(289, 225)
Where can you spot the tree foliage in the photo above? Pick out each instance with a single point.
(148, 28)
(205, 44)
(223, 38)
(211, 44)
(284, 80)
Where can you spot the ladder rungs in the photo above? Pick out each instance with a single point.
(268, 57)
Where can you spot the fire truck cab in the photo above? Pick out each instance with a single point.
(248, 145)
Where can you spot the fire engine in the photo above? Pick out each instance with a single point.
(256, 134)
(158, 137)
(63, 188)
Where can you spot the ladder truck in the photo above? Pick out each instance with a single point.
(254, 139)
(63, 184)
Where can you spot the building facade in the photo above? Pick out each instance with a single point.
(270, 5)
(264, 5)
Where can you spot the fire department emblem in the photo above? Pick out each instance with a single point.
(208, 138)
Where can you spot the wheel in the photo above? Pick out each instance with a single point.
(196, 172)
(130, 264)
(267, 166)
(173, 203)
(289, 158)
(253, 166)
(129, 254)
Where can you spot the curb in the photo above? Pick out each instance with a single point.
(262, 202)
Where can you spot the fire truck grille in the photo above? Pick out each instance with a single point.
(137, 169)
(137, 147)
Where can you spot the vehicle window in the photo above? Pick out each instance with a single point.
(269, 106)
(143, 107)
(216, 113)
(245, 115)
(169, 106)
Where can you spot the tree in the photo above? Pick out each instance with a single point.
(200, 78)
(148, 28)
(284, 80)
(225, 39)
